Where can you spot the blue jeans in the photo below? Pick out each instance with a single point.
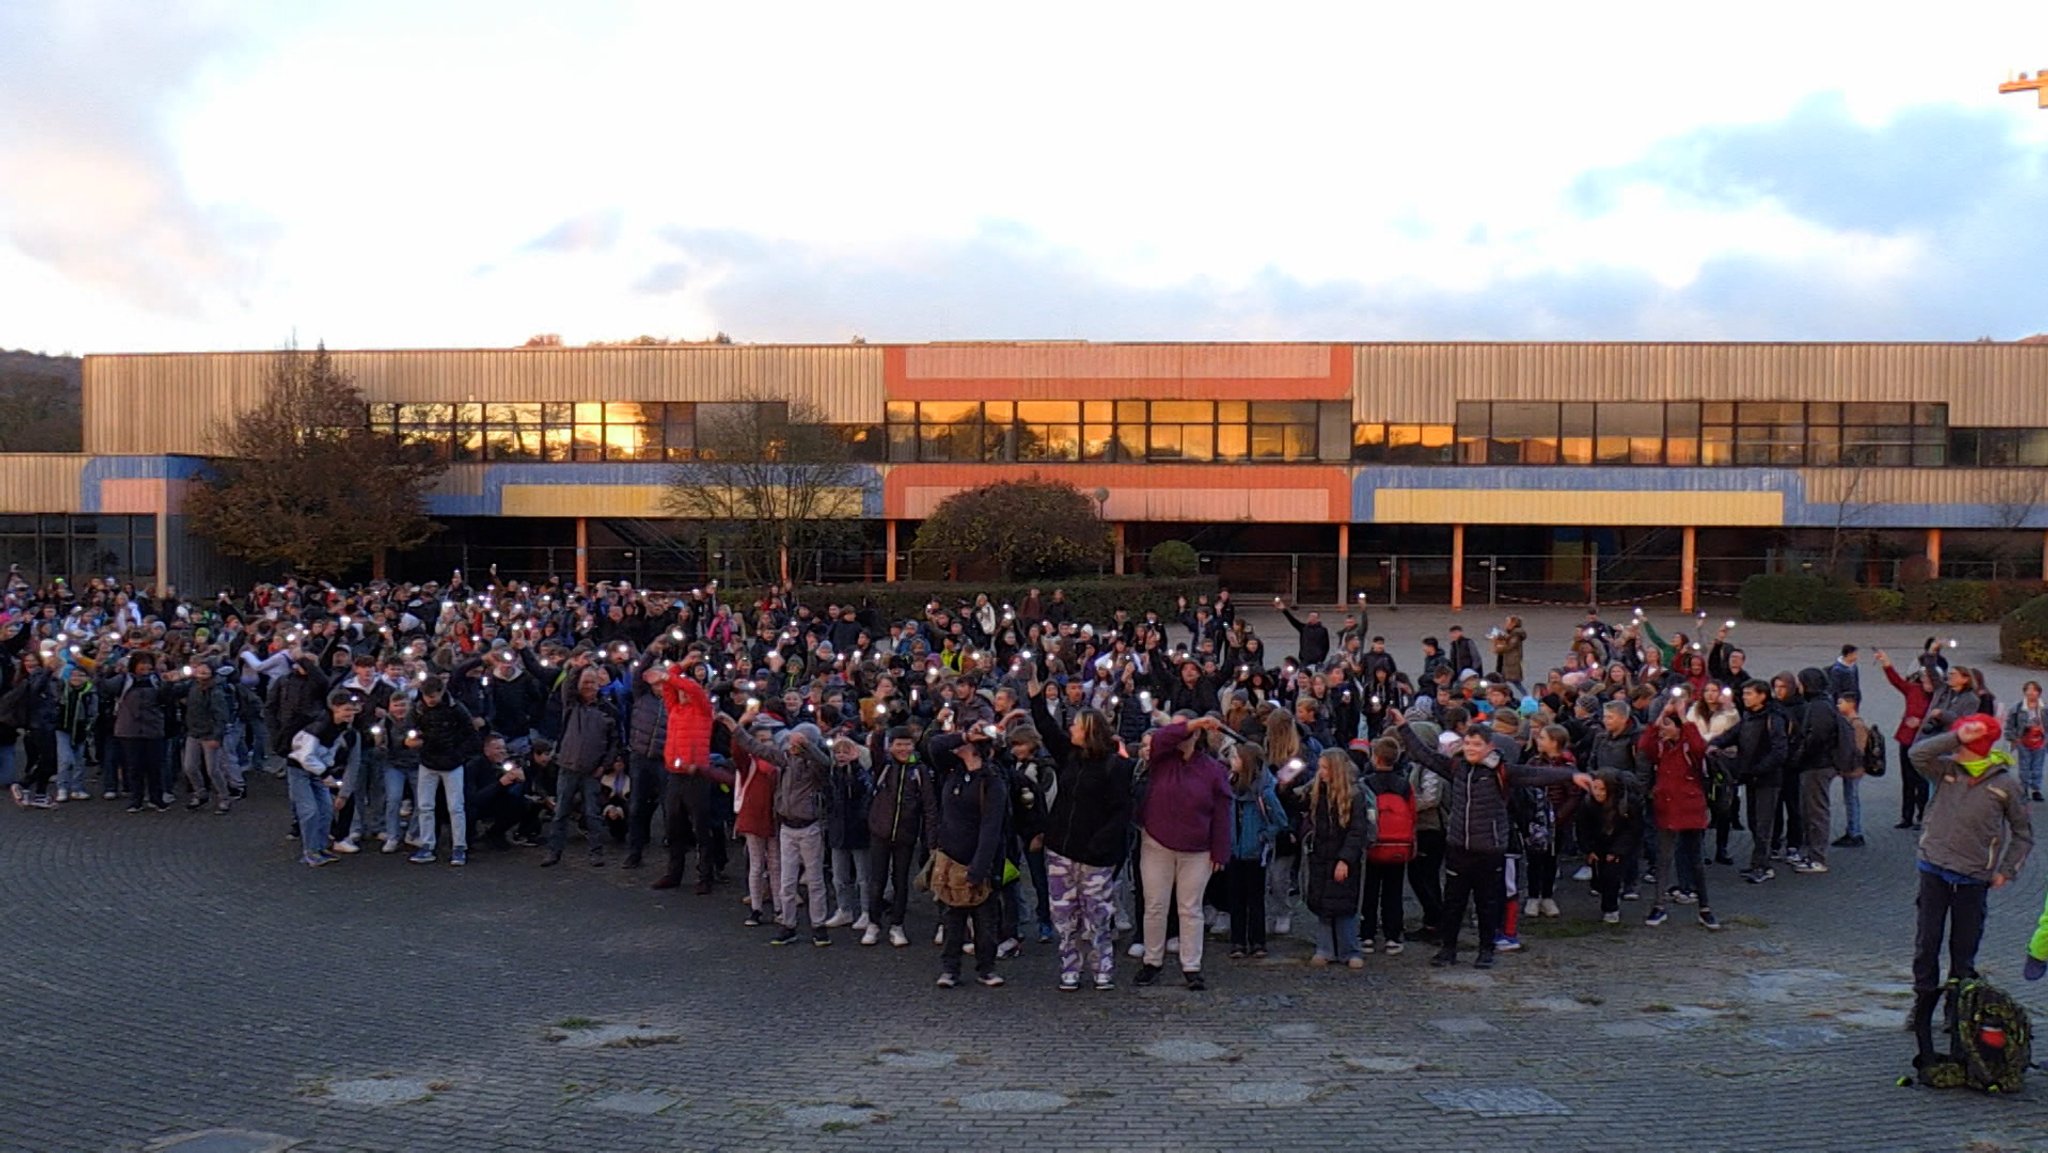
(71, 765)
(1852, 806)
(6, 765)
(367, 785)
(568, 786)
(1337, 937)
(394, 800)
(448, 781)
(313, 804)
(2031, 763)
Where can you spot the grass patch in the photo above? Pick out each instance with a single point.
(1585, 999)
(578, 1023)
(1659, 1007)
(839, 1126)
(313, 1089)
(1749, 922)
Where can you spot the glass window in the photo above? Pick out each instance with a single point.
(1717, 444)
(1282, 412)
(1873, 414)
(511, 442)
(949, 430)
(1421, 444)
(1239, 442)
(1183, 412)
(1048, 412)
(2033, 447)
(1769, 412)
(1630, 433)
(1098, 411)
(1931, 415)
(1130, 440)
(1962, 447)
(1098, 441)
(589, 441)
(1368, 443)
(1717, 412)
(1198, 442)
(1130, 412)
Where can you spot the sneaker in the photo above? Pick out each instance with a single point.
(864, 923)
(1147, 975)
(1483, 961)
(1631, 894)
(1070, 982)
(821, 936)
(20, 796)
(1123, 921)
(1319, 960)
(898, 937)
(315, 862)
(1532, 907)
(1723, 859)
(1585, 873)
(753, 920)
(551, 860)
(783, 937)
(1009, 948)
(459, 857)
(1355, 963)
(40, 801)
(1845, 841)
(108, 795)
(1505, 944)
(1650, 877)
(1613, 918)
(1759, 876)
(1283, 925)
(1394, 948)
(1104, 982)
(347, 846)
(1136, 950)
(1806, 866)
(968, 948)
(405, 810)
(1365, 947)
(159, 806)
(1657, 916)
(632, 861)
(194, 804)
(1549, 908)
(235, 792)
(1193, 977)
(990, 980)
(947, 980)
(871, 936)
(939, 937)
(1903, 825)
(1443, 959)
(1682, 896)
(597, 860)
(1046, 935)
(2037, 794)
(423, 857)
(839, 920)
(1709, 921)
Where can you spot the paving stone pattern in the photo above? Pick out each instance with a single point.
(176, 978)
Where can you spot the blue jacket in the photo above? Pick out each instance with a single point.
(1259, 819)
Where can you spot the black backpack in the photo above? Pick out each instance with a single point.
(1874, 754)
(1991, 1041)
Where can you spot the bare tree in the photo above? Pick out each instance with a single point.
(2011, 502)
(1852, 510)
(775, 488)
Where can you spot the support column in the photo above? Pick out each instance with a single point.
(889, 543)
(1457, 566)
(582, 551)
(163, 555)
(1344, 563)
(1689, 565)
(1118, 529)
(1934, 554)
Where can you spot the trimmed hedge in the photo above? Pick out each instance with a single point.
(1095, 599)
(1173, 560)
(2023, 635)
(1802, 598)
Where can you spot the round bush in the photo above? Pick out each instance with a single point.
(2023, 635)
(1172, 560)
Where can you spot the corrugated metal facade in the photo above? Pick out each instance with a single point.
(1983, 384)
(1116, 361)
(41, 482)
(1926, 486)
(171, 403)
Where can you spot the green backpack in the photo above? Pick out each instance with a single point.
(1990, 1041)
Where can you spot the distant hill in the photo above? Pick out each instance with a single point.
(39, 403)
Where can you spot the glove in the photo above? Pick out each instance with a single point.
(2036, 969)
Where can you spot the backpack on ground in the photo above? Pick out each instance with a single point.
(1396, 842)
(1991, 1041)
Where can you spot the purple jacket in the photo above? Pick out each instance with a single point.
(1187, 802)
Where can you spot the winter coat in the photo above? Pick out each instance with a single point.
(646, 722)
(1678, 790)
(852, 789)
(1475, 814)
(1507, 648)
(447, 732)
(590, 735)
(296, 698)
(516, 704)
(1597, 840)
(687, 744)
(208, 711)
(1952, 706)
(896, 801)
(1975, 827)
(1917, 698)
(1327, 839)
(1818, 721)
(968, 813)
(1761, 744)
(138, 705)
(1187, 800)
(753, 794)
(1258, 818)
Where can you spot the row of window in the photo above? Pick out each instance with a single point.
(1678, 433)
(1103, 430)
(623, 431)
(78, 548)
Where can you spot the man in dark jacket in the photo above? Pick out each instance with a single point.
(1844, 676)
(1820, 737)
(589, 745)
(1465, 660)
(1761, 745)
(1315, 637)
(516, 697)
(895, 816)
(444, 735)
(139, 727)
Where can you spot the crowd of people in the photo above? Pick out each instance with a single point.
(1038, 776)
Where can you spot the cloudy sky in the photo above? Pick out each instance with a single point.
(191, 174)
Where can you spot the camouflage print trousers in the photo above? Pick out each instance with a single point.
(1082, 913)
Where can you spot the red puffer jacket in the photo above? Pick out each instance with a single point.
(687, 748)
(1678, 796)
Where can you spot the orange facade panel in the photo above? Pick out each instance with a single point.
(1278, 493)
(1095, 372)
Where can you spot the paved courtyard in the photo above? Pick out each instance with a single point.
(174, 974)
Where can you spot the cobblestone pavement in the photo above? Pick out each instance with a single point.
(174, 974)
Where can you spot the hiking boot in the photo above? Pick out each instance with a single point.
(1148, 975)
(1657, 916)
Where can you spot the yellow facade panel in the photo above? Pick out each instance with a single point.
(40, 482)
(1542, 507)
(633, 501)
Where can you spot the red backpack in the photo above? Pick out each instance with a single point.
(1395, 844)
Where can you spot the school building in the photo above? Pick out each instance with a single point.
(1446, 473)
